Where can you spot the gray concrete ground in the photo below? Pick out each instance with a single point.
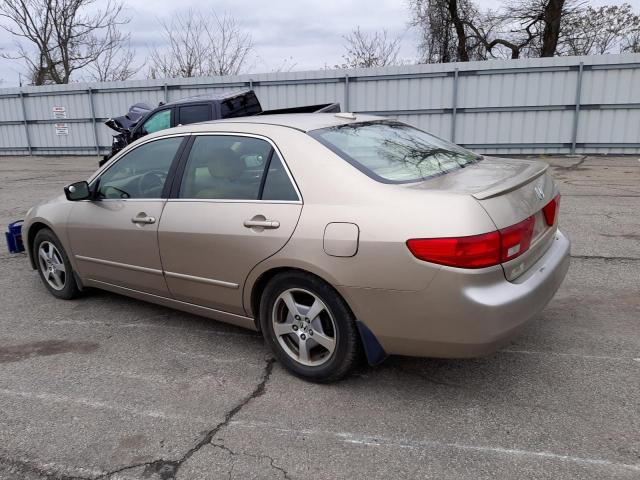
(106, 386)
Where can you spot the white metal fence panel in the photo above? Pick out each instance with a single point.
(550, 105)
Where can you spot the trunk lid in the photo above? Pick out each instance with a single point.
(510, 191)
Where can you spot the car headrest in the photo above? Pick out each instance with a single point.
(225, 164)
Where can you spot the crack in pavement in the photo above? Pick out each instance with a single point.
(285, 474)
(605, 258)
(597, 182)
(573, 166)
(168, 469)
(598, 195)
(165, 469)
(24, 467)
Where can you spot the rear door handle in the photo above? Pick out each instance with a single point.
(261, 223)
(143, 220)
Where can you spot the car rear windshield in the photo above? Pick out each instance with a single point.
(393, 152)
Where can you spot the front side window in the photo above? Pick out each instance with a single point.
(229, 167)
(140, 173)
(158, 121)
(393, 152)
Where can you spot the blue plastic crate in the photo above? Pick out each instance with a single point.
(14, 237)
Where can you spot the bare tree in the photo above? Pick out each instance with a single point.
(115, 64)
(57, 38)
(433, 20)
(509, 32)
(457, 30)
(553, 12)
(286, 65)
(522, 28)
(229, 45)
(458, 25)
(185, 47)
(631, 42)
(597, 31)
(445, 32)
(200, 44)
(366, 50)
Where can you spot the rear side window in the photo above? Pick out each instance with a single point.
(241, 106)
(229, 167)
(392, 152)
(194, 114)
(225, 167)
(277, 185)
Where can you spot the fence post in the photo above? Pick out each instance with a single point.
(24, 122)
(250, 84)
(454, 103)
(93, 121)
(346, 92)
(576, 115)
(166, 93)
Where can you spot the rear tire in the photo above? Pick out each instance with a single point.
(309, 327)
(53, 266)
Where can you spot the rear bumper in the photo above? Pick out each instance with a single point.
(462, 313)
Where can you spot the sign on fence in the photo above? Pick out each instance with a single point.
(59, 112)
(62, 128)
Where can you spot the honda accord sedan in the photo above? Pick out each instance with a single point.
(338, 236)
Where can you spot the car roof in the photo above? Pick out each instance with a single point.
(304, 122)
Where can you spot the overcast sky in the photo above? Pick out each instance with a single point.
(308, 32)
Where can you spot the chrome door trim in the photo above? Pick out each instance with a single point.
(126, 266)
(230, 200)
(260, 137)
(209, 281)
(126, 200)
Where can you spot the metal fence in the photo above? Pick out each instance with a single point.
(551, 105)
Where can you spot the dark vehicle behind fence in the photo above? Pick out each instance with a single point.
(143, 119)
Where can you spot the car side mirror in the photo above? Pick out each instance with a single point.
(77, 191)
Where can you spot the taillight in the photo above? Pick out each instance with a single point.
(516, 239)
(550, 210)
(477, 251)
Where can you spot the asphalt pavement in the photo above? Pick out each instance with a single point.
(110, 387)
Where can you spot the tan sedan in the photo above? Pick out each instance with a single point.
(335, 235)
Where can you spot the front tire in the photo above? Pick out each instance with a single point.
(309, 327)
(53, 265)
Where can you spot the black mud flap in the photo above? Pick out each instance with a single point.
(375, 353)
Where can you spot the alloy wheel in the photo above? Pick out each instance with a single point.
(304, 327)
(52, 265)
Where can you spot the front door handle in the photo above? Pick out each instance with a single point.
(261, 223)
(143, 219)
